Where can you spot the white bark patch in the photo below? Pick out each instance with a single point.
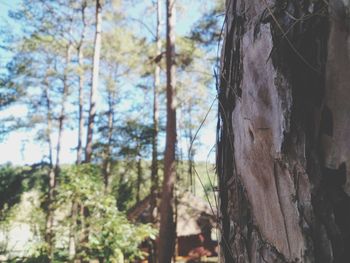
(260, 119)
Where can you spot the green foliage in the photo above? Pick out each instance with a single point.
(80, 183)
(208, 29)
(137, 138)
(11, 188)
(8, 93)
(124, 192)
(39, 254)
(111, 235)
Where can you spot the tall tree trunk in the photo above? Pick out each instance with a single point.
(154, 172)
(94, 81)
(72, 243)
(54, 170)
(51, 174)
(81, 85)
(107, 162)
(85, 213)
(167, 226)
(106, 169)
(74, 227)
(63, 109)
(283, 132)
(190, 153)
(139, 178)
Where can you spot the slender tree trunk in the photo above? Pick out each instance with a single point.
(49, 233)
(72, 231)
(83, 230)
(51, 174)
(94, 85)
(154, 172)
(107, 158)
(92, 109)
(167, 233)
(283, 132)
(63, 109)
(54, 170)
(139, 178)
(74, 228)
(191, 151)
(81, 86)
(107, 161)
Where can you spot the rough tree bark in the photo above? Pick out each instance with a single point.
(94, 82)
(167, 225)
(283, 132)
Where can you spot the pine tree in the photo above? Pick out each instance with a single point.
(167, 232)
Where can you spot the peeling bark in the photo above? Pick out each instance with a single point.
(283, 135)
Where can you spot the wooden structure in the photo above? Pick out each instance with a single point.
(195, 221)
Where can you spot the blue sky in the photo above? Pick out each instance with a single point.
(20, 148)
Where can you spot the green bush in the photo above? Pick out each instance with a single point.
(111, 235)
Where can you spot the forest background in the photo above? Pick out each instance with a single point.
(79, 140)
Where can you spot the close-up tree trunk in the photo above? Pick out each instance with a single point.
(283, 132)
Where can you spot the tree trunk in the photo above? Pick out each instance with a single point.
(190, 153)
(94, 81)
(54, 170)
(283, 132)
(72, 243)
(154, 172)
(81, 86)
(167, 226)
(139, 178)
(49, 231)
(106, 169)
(50, 211)
(63, 109)
(72, 246)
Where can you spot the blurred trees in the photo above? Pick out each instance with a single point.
(83, 66)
